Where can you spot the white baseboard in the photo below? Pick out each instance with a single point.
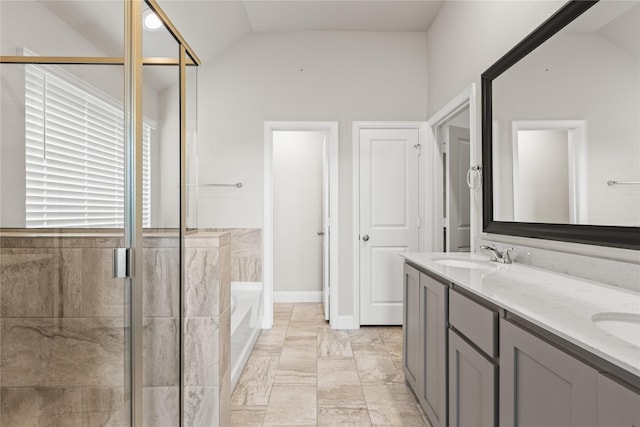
(346, 322)
(297, 296)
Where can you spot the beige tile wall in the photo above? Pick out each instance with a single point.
(207, 339)
(246, 253)
(62, 332)
(161, 323)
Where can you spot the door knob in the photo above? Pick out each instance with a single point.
(320, 233)
(365, 237)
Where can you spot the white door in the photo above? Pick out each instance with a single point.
(389, 212)
(326, 231)
(458, 193)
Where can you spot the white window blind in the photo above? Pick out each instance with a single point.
(75, 155)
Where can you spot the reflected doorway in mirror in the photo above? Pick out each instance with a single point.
(549, 171)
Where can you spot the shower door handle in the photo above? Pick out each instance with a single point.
(121, 263)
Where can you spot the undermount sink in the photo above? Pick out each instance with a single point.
(625, 326)
(472, 264)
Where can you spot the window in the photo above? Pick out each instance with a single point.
(75, 154)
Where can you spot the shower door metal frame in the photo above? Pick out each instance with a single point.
(133, 62)
(133, 199)
(183, 211)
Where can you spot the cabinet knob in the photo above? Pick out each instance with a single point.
(365, 237)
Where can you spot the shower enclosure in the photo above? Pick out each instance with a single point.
(98, 116)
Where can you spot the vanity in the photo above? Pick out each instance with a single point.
(488, 344)
(491, 344)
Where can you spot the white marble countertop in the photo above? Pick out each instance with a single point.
(561, 304)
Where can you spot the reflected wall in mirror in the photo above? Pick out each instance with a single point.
(561, 119)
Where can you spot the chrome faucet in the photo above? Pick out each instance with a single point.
(501, 257)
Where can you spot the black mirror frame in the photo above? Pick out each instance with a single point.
(620, 237)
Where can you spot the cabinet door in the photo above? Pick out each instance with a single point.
(618, 406)
(433, 392)
(412, 344)
(541, 385)
(472, 386)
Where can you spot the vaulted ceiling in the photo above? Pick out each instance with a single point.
(211, 26)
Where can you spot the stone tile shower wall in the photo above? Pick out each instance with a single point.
(161, 323)
(246, 253)
(62, 333)
(62, 349)
(207, 346)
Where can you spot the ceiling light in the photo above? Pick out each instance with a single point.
(151, 21)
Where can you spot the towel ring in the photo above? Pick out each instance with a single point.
(474, 170)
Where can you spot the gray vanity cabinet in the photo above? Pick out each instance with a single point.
(472, 367)
(472, 385)
(541, 385)
(472, 363)
(618, 405)
(433, 393)
(412, 343)
(425, 342)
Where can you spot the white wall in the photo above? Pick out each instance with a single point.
(297, 210)
(464, 40)
(469, 36)
(165, 184)
(20, 19)
(344, 76)
(166, 197)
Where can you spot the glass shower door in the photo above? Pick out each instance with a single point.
(64, 353)
(63, 350)
(161, 253)
(92, 172)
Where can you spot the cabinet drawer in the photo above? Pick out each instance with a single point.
(474, 321)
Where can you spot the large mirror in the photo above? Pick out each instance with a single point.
(561, 129)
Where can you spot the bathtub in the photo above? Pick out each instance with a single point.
(246, 319)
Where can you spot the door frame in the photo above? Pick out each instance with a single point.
(434, 183)
(422, 139)
(331, 128)
(448, 188)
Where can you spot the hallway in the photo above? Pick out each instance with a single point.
(303, 373)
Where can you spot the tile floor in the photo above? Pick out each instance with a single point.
(303, 373)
